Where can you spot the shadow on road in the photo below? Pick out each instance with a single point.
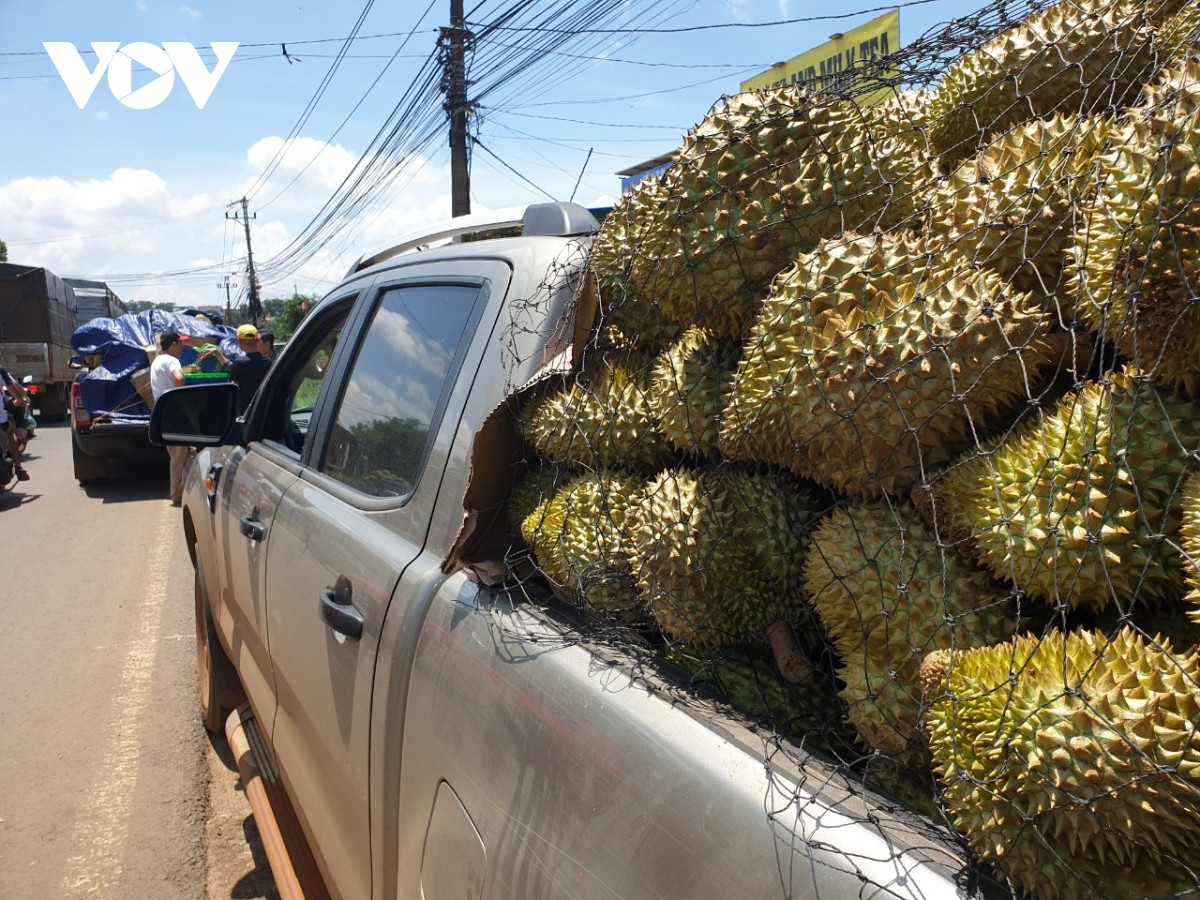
(220, 748)
(257, 883)
(130, 481)
(16, 495)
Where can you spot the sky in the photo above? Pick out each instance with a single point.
(143, 193)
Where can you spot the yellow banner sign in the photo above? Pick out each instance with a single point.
(838, 58)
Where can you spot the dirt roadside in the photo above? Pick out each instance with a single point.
(237, 867)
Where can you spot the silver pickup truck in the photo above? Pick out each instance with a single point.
(419, 723)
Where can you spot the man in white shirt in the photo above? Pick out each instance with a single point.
(167, 373)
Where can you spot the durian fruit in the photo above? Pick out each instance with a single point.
(530, 494)
(888, 594)
(579, 537)
(767, 173)
(1073, 762)
(1179, 35)
(873, 361)
(1189, 543)
(748, 680)
(1012, 206)
(1072, 507)
(602, 419)
(689, 388)
(1077, 56)
(628, 320)
(1138, 253)
(717, 552)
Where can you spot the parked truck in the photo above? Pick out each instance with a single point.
(110, 394)
(94, 300)
(421, 721)
(37, 317)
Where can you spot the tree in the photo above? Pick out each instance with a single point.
(291, 314)
(3, 252)
(137, 306)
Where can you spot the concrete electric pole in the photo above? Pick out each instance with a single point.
(255, 307)
(227, 285)
(454, 83)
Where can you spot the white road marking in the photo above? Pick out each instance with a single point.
(102, 827)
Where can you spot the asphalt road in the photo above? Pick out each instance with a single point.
(109, 785)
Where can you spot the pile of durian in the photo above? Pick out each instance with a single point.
(889, 435)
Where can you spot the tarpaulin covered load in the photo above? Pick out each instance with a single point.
(107, 390)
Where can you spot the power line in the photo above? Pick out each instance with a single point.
(312, 103)
(476, 142)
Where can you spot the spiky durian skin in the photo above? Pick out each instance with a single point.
(1189, 542)
(1071, 507)
(579, 536)
(1012, 207)
(872, 362)
(717, 552)
(887, 594)
(1138, 252)
(602, 419)
(627, 319)
(1073, 762)
(1178, 36)
(765, 174)
(1073, 56)
(689, 387)
(530, 492)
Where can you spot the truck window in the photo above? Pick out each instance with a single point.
(291, 411)
(396, 387)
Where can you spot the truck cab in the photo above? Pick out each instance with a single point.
(434, 723)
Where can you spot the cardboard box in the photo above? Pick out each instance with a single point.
(141, 383)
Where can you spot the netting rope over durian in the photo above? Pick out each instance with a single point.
(885, 439)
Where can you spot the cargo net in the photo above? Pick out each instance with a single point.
(887, 432)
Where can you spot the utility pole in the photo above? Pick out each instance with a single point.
(225, 284)
(454, 83)
(254, 304)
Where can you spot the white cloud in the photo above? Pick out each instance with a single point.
(304, 169)
(141, 222)
(142, 6)
(190, 11)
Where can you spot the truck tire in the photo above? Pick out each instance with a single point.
(220, 690)
(88, 469)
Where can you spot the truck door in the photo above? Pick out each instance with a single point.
(343, 534)
(250, 485)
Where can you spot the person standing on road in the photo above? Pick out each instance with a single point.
(266, 344)
(166, 373)
(248, 371)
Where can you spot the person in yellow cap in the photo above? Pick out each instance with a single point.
(248, 370)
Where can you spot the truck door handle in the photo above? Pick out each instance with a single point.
(251, 528)
(337, 612)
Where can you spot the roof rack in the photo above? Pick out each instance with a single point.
(562, 219)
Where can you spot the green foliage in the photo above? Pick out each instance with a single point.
(386, 455)
(291, 313)
(3, 252)
(137, 306)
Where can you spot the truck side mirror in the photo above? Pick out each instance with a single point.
(201, 416)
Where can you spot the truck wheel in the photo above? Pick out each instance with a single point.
(88, 468)
(219, 686)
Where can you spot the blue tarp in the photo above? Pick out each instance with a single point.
(107, 389)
